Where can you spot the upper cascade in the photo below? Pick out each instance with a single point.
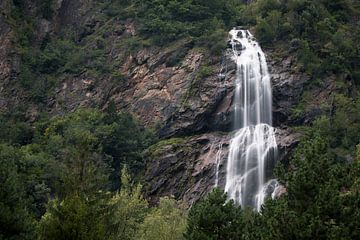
(253, 149)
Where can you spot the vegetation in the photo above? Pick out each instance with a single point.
(68, 177)
(214, 218)
(320, 33)
(204, 21)
(63, 182)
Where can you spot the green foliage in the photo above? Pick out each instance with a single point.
(342, 128)
(127, 210)
(214, 40)
(165, 21)
(71, 158)
(43, 64)
(166, 221)
(16, 220)
(157, 148)
(205, 71)
(264, 31)
(324, 27)
(15, 131)
(40, 68)
(76, 158)
(321, 202)
(214, 218)
(71, 218)
(80, 165)
(45, 8)
(321, 181)
(97, 141)
(123, 215)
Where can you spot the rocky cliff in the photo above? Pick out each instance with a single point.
(185, 91)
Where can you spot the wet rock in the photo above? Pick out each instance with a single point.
(189, 164)
(238, 46)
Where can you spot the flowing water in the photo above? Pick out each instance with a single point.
(253, 148)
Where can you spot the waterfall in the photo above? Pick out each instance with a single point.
(253, 148)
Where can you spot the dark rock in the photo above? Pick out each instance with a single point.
(240, 35)
(287, 140)
(287, 88)
(238, 46)
(188, 165)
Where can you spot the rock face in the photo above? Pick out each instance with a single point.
(287, 87)
(183, 90)
(185, 167)
(6, 55)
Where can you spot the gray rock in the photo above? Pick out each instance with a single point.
(185, 168)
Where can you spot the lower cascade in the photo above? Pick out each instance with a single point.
(253, 149)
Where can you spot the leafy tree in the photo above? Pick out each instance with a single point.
(95, 144)
(264, 31)
(16, 221)
(127, 209)
(166, 221)
(71, 219)
(14, 130)
(81, 168)
(124, 139)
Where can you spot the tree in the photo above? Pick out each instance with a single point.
(74, 218)
(215, 218)
(164, 222)
(322, 200)
(90, 144)
(127, 209)
(123, 138)
(16, 221)
(165, 21)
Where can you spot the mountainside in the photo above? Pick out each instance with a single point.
(78, 67)
(183, 90)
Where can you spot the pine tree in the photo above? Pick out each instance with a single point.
(215, 218)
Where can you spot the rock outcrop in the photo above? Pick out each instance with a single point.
(7, 59)
(288, 85)
(185, 167)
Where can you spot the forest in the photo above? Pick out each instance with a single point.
(80, 174)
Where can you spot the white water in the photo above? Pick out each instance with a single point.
(253, 149)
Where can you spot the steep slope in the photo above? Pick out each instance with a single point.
(184, 91)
